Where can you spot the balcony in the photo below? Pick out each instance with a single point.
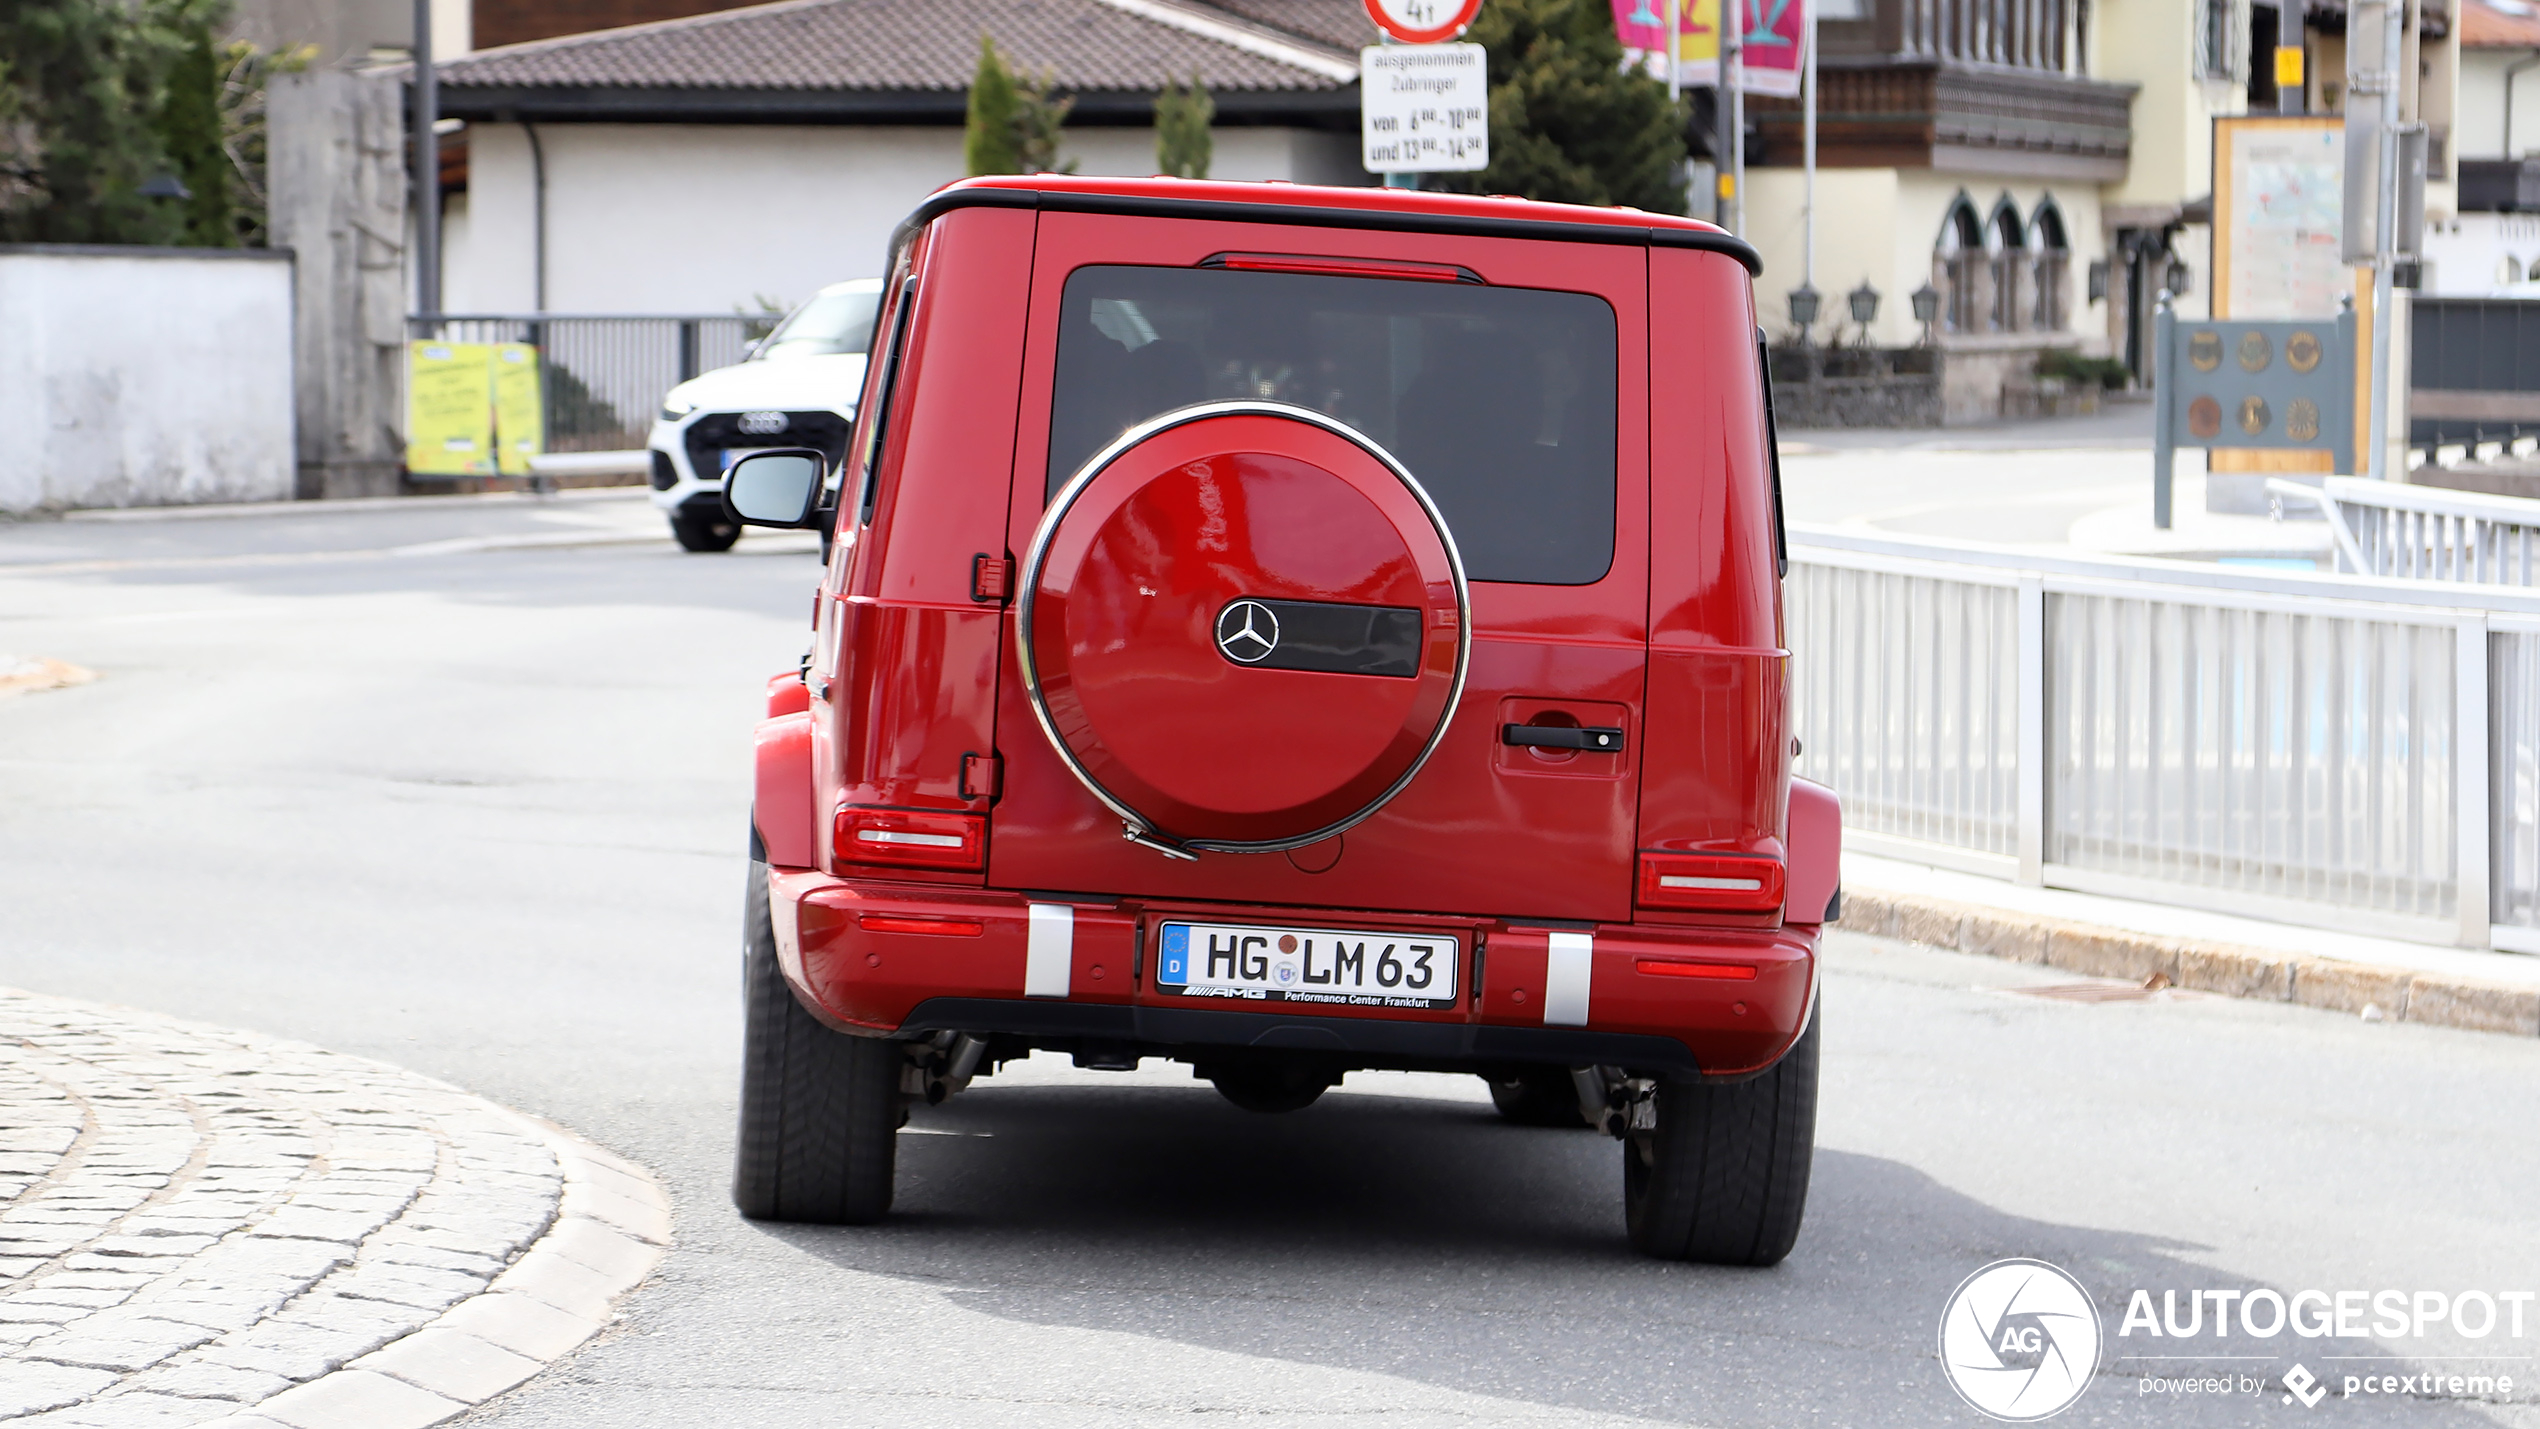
(1968, 116)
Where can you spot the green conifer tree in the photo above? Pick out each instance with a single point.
(988, 139)
(1182, 144)
(1037, 118)
(190, 129)
(87, 76)
(1567, 123)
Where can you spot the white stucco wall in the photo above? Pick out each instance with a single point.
(2467, 255)
(2153, 43)
(1880, 226)
(665, 218)
(2480, 133)
(145, 377)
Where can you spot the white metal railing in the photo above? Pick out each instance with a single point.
(2352, 752)
(2385, 528)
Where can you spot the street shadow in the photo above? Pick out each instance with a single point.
(1431, 1241)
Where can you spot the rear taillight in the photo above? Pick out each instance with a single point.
(1669, 967)
(1720, 883)
(912, 838)
(933, 927)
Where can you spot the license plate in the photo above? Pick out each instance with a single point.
(1349, 966)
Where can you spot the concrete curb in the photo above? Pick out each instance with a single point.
(2225, 969)
(612, 1227)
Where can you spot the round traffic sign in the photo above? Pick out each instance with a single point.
(1423, 22)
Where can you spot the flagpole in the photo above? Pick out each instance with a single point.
(1675, 50)
(1808, 154)
(1732, 72)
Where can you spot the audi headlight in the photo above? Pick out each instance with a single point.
(674, 408)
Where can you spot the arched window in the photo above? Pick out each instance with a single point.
(1957, 268)
(2006, 262)
(2051, 261)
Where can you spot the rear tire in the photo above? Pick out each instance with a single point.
(1723, 1179)
(1536, 1096)
(704, 535)
(820, 1110)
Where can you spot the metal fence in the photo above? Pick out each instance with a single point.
(2340, 751)
(2473, 370)
(2385, 528)
(605, 375)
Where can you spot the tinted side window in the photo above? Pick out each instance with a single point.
(874, 424)
(1499, 400)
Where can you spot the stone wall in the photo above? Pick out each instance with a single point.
(1856, 387)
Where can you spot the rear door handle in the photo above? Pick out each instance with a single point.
(1594, 738)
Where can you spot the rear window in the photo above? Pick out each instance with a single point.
(1499, 400)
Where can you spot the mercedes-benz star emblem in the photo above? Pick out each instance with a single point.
(1247, 631)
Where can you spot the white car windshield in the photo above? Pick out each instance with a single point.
(829, 324)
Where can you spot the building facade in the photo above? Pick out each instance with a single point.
(2045, 166)
(738, 159)
(1963, 145)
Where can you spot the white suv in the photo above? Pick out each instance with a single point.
(797, 388)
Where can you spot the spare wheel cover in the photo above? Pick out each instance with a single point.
(1244, 626)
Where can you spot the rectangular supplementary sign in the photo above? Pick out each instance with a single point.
(1423, 108)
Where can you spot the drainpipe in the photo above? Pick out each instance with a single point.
(537, 219)
(2511, 70)
(427, 164)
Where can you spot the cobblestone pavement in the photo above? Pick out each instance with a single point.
(197, 1222)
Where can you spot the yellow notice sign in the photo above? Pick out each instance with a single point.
(520, 416)
(449, 409)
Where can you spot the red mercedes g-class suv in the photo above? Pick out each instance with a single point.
(1290, 630)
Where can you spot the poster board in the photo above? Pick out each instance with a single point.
(2279, 196)
(2279, 188)
(520, 409)
(473, 408)
(449, 409)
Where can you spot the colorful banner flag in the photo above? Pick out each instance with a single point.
(1773, 45)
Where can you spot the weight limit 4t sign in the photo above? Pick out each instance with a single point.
(1423, 108)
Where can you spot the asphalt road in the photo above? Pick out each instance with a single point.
(478, 809)
(2025, 482)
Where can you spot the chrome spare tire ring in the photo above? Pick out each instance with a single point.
(1138, 828)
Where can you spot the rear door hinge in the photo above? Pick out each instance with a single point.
(991, 578)
(982, 776)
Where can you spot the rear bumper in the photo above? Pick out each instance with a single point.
(902, 959)
(1366, 1040)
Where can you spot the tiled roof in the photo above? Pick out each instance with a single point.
(1341, 24)
(928, 45)
(2512, 25)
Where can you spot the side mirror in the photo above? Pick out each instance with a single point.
(779, 488)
